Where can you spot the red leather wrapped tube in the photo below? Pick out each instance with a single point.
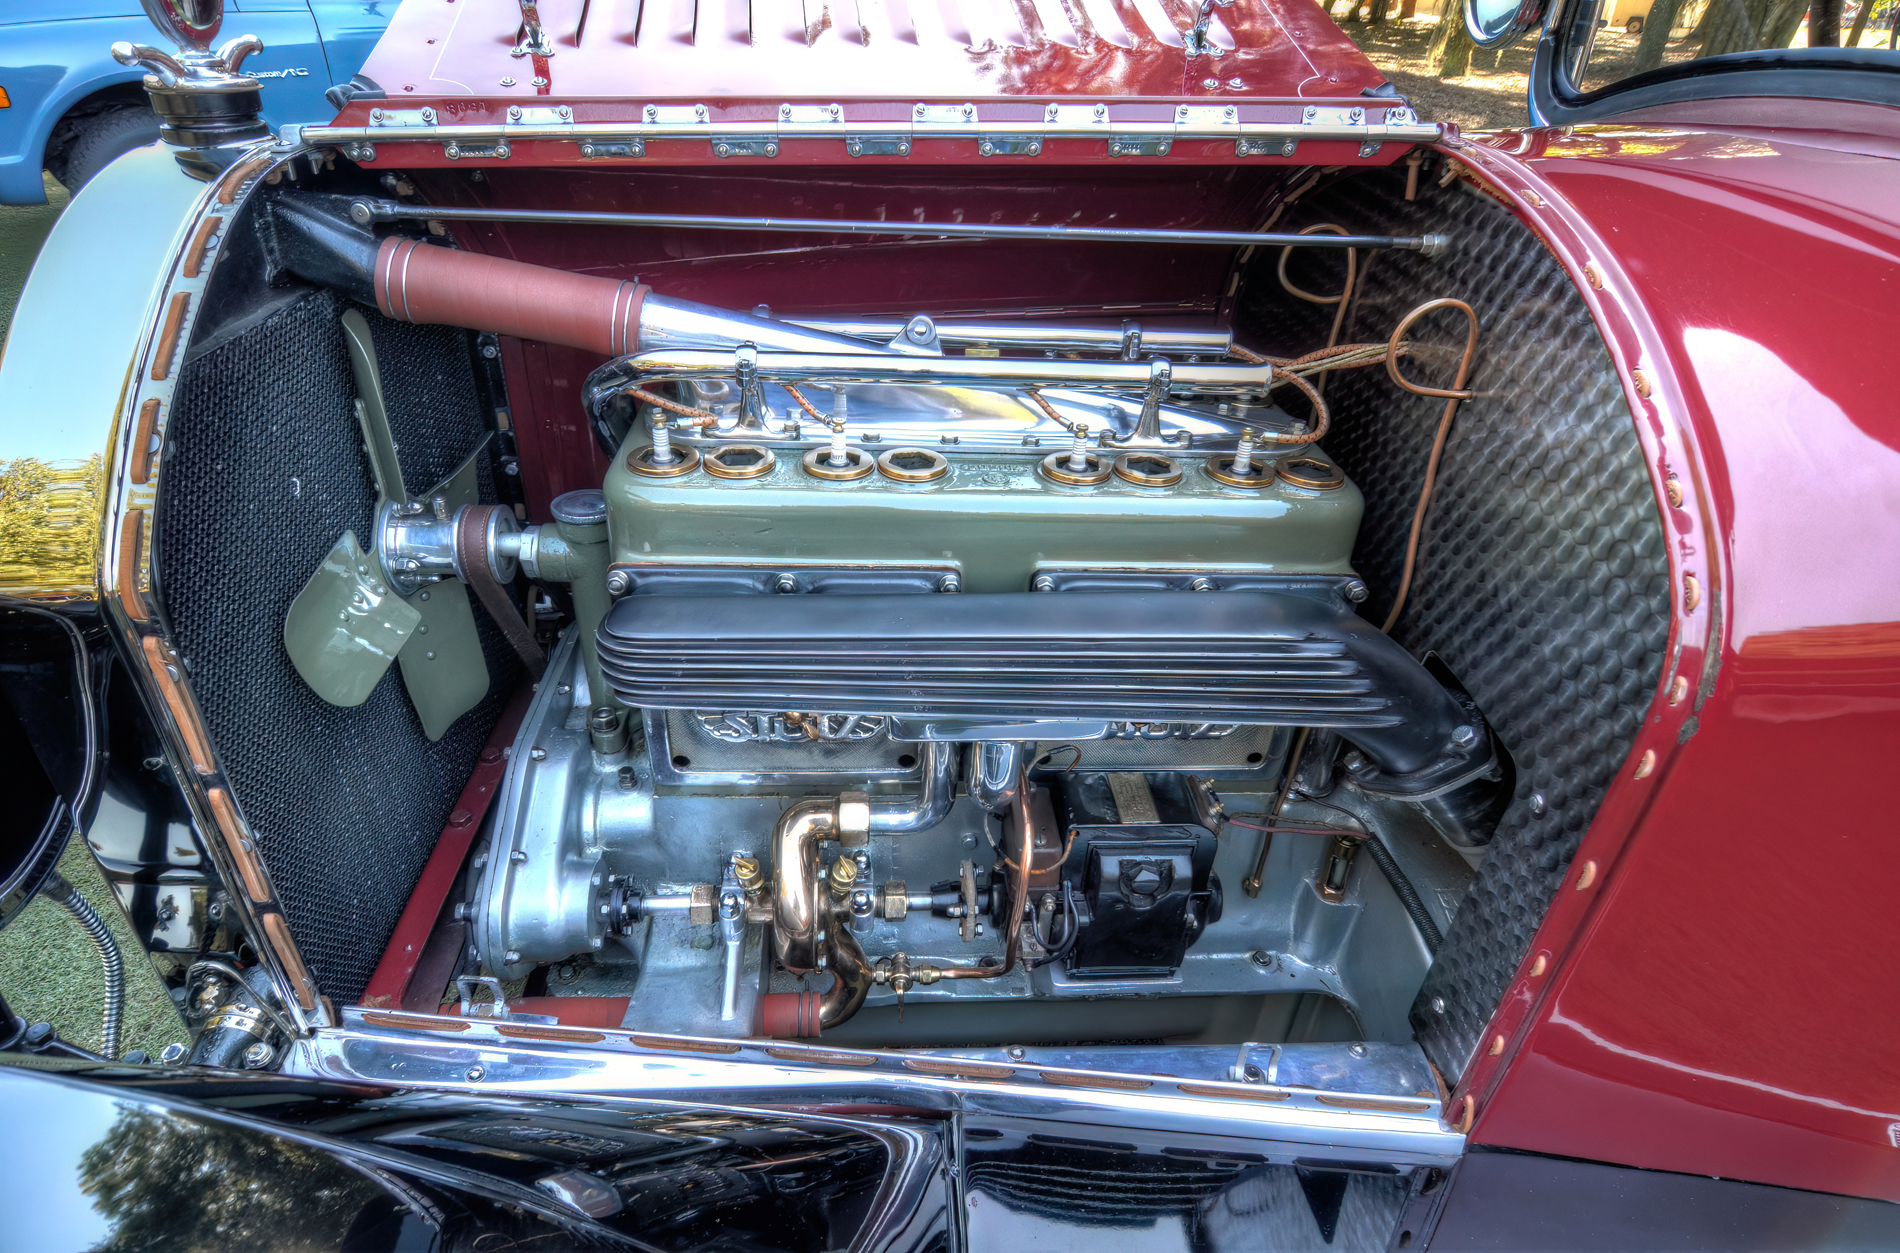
(790, 1015)
(418, 282)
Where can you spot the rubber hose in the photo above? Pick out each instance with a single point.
(1407, 894)
(68, 897)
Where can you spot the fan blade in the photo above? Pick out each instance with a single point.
(346, 626)
(369, 408)
(442, 665)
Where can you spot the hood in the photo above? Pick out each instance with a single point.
(770, 51)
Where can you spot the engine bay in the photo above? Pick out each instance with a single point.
(907, 669)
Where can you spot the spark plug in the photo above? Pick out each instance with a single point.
(1079, 448)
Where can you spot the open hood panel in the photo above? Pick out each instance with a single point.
(775, 50)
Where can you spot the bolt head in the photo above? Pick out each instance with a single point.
(1464, 736)
(1016, 1052)
(1357, 1050)
(511, 957)
(1438, 1004)
(174, 1054)
(475, 1074)
(258, 1054)
(1253, 1074)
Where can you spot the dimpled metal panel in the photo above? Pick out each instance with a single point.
(264, 470)
(1543, 580)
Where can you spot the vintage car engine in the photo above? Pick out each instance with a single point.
(923, 663)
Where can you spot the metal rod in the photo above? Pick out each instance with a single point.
(367, 211)
(775, 367)
(1060, 336)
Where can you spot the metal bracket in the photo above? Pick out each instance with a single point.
(878, 145)
(1139, 146)
(1008, 146)
(520, 115)
(472, 1008)
(1267, 147)
(360, 150)
(402, 117)
(595, 149)
(732, 146)
(455, 150)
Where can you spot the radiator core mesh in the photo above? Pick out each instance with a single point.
(263, 470)
(1544, 578)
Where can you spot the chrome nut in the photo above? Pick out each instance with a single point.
(854, 819)
(893, 900)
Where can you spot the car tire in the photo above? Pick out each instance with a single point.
(1634, 26)
(103, 138)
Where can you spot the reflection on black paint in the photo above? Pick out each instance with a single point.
(1191, 1200)
(175, 1185)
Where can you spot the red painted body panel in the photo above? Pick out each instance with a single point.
(1717, 1000)
(902, 50)
(1709, 992)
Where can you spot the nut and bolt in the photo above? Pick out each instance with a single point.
(258, 1055)
(475, 1074)
(1017, 1052)
(1538, 805)
(619, 582)
(1357, 1050)
(174, 1054)
(1465, 736)
(1356, 591)
(1438, 1004)
(949, 583)
(1044, 583)
(1261, 957)
(1251, 1073)
(511, 957)
(785, 583)
(1203, 584)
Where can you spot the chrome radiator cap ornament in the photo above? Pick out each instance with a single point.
(203, 99)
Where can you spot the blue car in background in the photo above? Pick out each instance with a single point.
(67, 107)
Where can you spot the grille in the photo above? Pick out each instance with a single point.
(1544, 578)
(263, 471)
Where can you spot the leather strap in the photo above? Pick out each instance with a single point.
(471, 552)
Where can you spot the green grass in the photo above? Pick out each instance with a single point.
(49, 970)
(23, 229)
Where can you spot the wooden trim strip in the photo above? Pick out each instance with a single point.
(195, 255)
(821, 1057)
(141, 450)
(250, 869)
(239, 175)
(533, 1031)
(1062, 1080)
(959, 1069)
(168, 337)
(1234, 1093)
(666, 1045)
(1380, 1104)
(286, 948)
(184, 714)
(415, 1022)
(131, 545)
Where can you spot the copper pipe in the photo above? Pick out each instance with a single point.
(1012, 944)
(1453, 395)
(1341, 300)
(850, 974)
(795, 912)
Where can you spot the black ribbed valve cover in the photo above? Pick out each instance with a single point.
(1261, 658)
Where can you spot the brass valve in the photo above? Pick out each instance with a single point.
(751, 876)
(844, 874)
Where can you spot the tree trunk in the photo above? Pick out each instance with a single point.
(1824, 24)
(1860, 24)
(1748, 25)
(1450, 53)
(1409, 8)
(1656, 27)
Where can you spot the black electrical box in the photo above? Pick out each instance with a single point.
(1148, 885)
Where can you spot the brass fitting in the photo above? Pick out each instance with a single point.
(844, 875)
(751, 875)
(854, 819)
